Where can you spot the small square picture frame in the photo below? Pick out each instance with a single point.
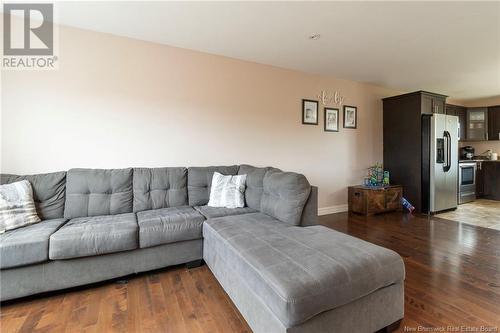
(310, 112)
(331, 120)
(350, 116)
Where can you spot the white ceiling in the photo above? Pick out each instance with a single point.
(451, 48)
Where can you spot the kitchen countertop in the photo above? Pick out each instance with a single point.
(477, 160)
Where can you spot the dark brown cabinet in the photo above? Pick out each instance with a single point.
(403, 139)
(477, 124)
(433, 103)
(488, 180)
(369, 201)
(479, 180)
(494, 122)
(461, 113)
(438, 104)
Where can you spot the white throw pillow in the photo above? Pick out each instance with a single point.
(227, 191)
(17, 208)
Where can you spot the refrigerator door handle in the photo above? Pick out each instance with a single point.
(447, 164)
(450, 160)
(445, 139)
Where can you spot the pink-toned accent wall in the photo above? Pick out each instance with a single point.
(117, 102)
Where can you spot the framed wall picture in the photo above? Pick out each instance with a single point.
(309, 112)
(350, 116)
(331, 120)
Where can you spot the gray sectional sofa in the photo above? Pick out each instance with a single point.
(284, 272)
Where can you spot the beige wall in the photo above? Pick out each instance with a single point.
(481, 147)
(117, 102)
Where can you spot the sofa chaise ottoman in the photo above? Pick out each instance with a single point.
(283, 272)
(284, 278)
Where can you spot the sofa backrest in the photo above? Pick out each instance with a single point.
(310, 211)
(284, 195)
(200, 182)
(156, 188)
(93, 192)
(254, 184)
(48, 192)
(255, 188)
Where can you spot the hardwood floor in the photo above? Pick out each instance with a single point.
(176, 299)
(452, 269)
(452, 279)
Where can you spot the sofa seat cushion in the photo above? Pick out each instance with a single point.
(299, 272)
(27, 245)
(169, 225)
(213, 212)
(94, 235)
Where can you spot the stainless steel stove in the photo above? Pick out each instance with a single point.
(467, 182)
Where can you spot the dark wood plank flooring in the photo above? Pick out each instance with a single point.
(452, 279)
(452, 269)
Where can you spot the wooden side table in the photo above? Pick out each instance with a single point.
(368, 200)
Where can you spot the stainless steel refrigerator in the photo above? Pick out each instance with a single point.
(439, 162)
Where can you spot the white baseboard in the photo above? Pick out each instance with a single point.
(332, 209)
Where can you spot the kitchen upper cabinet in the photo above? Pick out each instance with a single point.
(461, 113)
(433, 103)
(477, 124)
(438, 104)
(494, 122)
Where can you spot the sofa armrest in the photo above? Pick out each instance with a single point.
(310, 212)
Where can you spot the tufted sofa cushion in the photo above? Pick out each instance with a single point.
(284, 195)
(200, 181)
(156, 188)
(48, 192)
(297, 272)
(169, 225)
(213, 212)
(254, 184)
(94, 192)
(93, 236)
(28, 245)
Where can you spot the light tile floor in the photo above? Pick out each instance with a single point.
(482, 213)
